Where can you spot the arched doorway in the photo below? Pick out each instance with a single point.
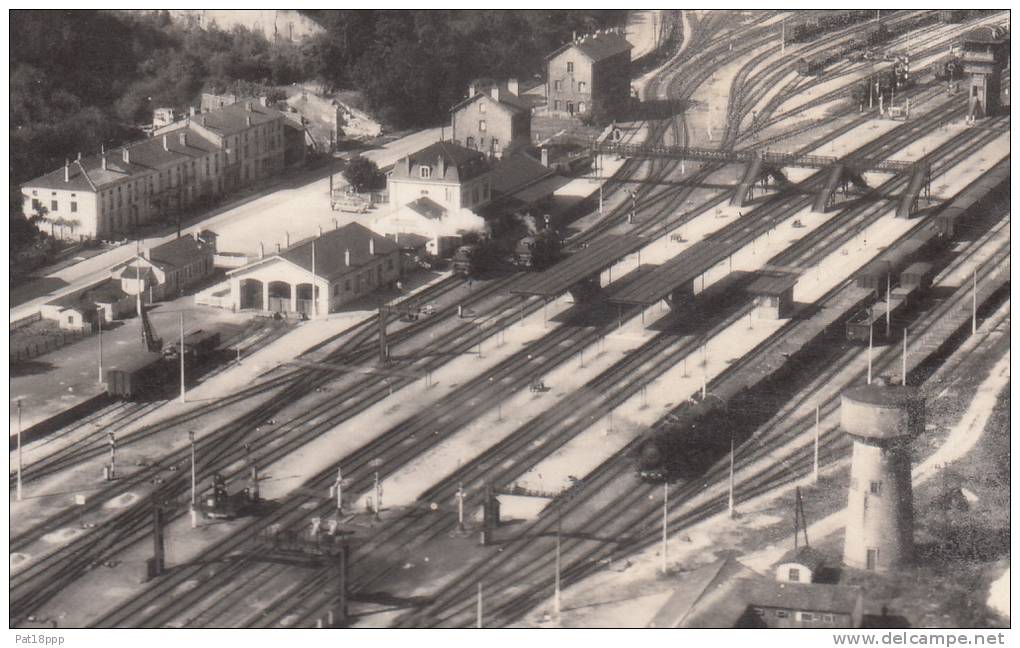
(251, 294)
(304, 298)
(279, 296)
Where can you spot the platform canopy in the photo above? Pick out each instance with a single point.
(580, 265)
(675, 273)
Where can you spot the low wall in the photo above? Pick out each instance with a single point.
(54, 423)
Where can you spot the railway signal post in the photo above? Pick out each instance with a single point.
(99, 321)
(973, 320)
(730, 502)
(339, 488)
(460, 507)
(818, 420)
(181, 354)
(112, 470)
(19, 450)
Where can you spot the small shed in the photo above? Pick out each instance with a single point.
(773, 295)
(800, 565)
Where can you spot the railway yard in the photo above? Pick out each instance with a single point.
(571, 446)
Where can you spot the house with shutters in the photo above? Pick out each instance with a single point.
(592, 70)
(494, 119)
(167, 270)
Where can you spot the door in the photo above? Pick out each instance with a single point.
(570, 107)
(872, 560)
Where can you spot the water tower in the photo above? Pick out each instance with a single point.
(882, 419)
(985, 50)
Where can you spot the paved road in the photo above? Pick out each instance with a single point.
(298, 207)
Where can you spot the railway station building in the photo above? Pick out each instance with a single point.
(590, 71)
(319, 275)
(446, 173)
(167, 270)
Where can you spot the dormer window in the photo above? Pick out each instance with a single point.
(426, 171)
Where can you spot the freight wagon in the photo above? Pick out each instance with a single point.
(138, 377)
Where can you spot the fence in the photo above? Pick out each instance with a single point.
(25, 321)
(28, 349)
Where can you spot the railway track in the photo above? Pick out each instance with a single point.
(582, 556)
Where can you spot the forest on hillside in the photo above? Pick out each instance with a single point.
(84, 78)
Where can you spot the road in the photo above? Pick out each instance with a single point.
(298, 207)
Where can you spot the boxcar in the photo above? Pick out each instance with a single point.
(917, 275)
(138, 376)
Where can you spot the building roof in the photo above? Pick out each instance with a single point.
(461, 164)
(884, 395)
(516, 171)
(483, 88)
(409, 240)
(106, 291)
(179, 252)
(804, 555)
(331, 248)
(807, 597)
(232, 119)
(772, 283)
(428, 208)
(597, 47)
(706, 597)
(985, 34)
(132, 271)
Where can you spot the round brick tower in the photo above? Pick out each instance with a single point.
(882, 420)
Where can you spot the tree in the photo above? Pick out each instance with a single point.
(363, 174)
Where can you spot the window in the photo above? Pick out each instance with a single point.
(481, 106)
(872, 559)
(556, 104)
(495, 143)
(580, 107)
(759, 611)
(582, 86)
(570, 67)
(794, 574)
(53, 205)
(36, 204)
(336, 289)
(974, 91)
(74, 207)
(558, 86)
(876, 488)
(425, 171)
(481, 125)
(807, 616)
(827, 617)
(782, 614)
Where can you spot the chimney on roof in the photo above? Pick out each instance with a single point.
(277, 248)
(371, 246)
(102, 149)
(104, 163)
(184, 138)
(441, 166)
(347, 258)
(264, 101)
(512, 86)
(545, 157)
(288, 238)
(494, 91)
(145, 253)
(407, 165)
(191, 111)
(320, 230)
(247, 120)
(79, 156)
(471, 89)
(67, 171)
(166, 143)
(262, 250)
(127, 155)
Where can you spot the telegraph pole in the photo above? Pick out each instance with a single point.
(99, 319)
(180, 352)
(973, 305)
(904, 369)
(871, 339)
(113, 455)
(480, 605)
(19, 450)
(731, 478)
(460, 507)
(556, 594)
(339, 490)
(665, 517)
(782, 41)
(888, 309)
(818, 420)
(194, 474)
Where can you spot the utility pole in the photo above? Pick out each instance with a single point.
(180, 352)
(782, 41)
(731, 479)
(480, 606)
(194, 474)
(818, 420)
(871, 339)
(378, 495)
(556, 594)
(888, 310)
(19, 450)
(99, 320)
(665, 519)
(460, 507)
(339, 490)
(904, 368)
(973, 305)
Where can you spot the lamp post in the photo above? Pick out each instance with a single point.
(19, 450)
(99, 320)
